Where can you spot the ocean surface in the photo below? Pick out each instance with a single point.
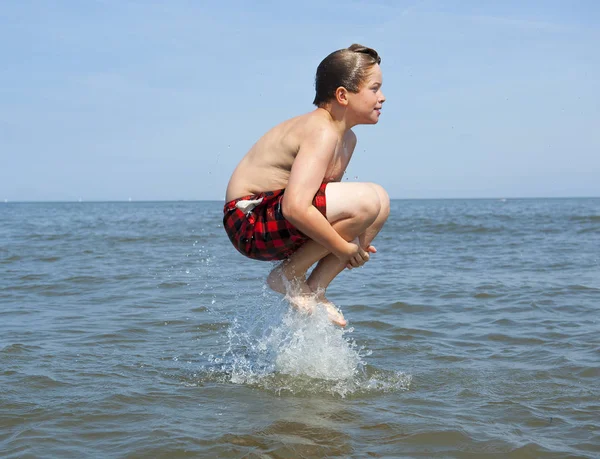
(135, 330)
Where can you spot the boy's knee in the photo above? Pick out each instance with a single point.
(368, 204)
(384, 200)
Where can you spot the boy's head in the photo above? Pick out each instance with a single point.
(346, 67)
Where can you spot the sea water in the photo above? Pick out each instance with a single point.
(136, 330)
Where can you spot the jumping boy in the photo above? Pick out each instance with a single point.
(285, 200)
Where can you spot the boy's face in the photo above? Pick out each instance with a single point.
(367, 102)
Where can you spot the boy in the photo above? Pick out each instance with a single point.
(285, 200)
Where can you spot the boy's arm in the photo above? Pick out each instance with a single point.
(306, 176)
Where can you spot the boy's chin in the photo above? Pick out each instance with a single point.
(375, 118)
(370, 120)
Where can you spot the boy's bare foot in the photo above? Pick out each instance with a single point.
(286, 283)
(303, 303)
(277, 281)
(334, 314)
(299, 294)
(308, 304)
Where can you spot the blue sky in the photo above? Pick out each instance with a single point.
(119, 99)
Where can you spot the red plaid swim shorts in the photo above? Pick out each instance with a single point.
(263, 233)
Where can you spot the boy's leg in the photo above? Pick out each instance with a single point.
(352, 209)
(330, 266)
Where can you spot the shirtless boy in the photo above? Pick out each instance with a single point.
(285, 200)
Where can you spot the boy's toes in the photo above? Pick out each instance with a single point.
(334, 314)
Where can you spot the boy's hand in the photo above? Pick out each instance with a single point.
(355, 256)
(370, 249)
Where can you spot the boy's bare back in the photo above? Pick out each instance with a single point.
(268, 164)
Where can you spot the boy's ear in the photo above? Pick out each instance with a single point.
(341, 96)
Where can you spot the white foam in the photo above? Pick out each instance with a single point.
(309, 345)
(298, 352)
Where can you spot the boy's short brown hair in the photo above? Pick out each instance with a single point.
(346, 67)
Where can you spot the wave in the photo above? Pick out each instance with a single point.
(436, 227)
(585, 218)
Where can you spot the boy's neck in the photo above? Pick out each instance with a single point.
(337, 114)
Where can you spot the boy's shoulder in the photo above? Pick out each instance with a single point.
(311, 128)
(319, 121)
(317, 124)
(310, 120)
(302, 128)
(319, 118)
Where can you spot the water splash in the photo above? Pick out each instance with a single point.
(309, 345)
(299, 353)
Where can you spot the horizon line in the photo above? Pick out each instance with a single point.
(127, 201)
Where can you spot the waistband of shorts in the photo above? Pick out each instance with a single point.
(266, 194)
(231, 204)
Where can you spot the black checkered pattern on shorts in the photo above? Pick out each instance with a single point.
(264, 233)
